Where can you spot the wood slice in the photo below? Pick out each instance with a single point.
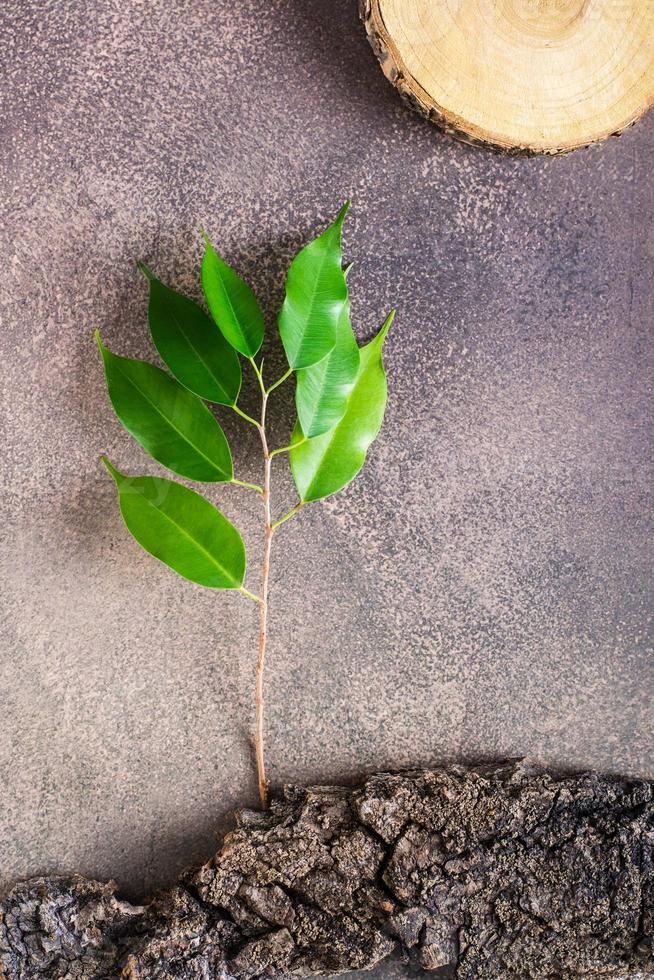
(531, 76)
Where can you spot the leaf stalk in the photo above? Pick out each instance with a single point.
(287, 449)
(280, 381)
(292, 512)
(259, 374)
(248, 594)
(244, 415)
(248, 486)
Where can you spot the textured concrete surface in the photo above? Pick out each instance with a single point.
(482, 590)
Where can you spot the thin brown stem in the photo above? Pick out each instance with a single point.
(263, 609)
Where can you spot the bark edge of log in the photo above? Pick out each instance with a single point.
(454, 125)
(505, 870)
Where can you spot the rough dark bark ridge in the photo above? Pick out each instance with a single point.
(491, 872)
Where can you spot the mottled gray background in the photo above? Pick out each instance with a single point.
(482, 589)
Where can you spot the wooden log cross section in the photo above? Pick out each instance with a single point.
(536, 76)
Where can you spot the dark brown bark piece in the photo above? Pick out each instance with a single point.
(487, 872)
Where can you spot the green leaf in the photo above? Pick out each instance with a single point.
(232, 303)
(316, 292)
(191, 345)
(182, 529)
(323, 389)
(170, 422)
(326, 464)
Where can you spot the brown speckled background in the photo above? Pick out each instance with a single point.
(481, 590)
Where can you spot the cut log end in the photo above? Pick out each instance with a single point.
(521, 76)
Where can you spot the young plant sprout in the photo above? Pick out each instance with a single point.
(340, 398)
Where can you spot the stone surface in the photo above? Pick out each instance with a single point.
(482, 590)
(495, 871)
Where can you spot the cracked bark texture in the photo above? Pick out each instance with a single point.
(494, 871)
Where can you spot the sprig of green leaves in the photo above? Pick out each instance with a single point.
(340, 401)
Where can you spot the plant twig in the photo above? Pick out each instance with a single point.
(263, 605)
(269, 530)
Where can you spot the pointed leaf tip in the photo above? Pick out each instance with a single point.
(342, 213)
(386, 326)
(110, 469)
(149, 275)
(98, 340)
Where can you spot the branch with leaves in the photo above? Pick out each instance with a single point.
(340, 399)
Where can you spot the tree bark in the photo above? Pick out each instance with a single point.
(503, 871)
(520, 76)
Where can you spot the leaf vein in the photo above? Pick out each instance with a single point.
(171, 424)
(193, 540)
(198, 354)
